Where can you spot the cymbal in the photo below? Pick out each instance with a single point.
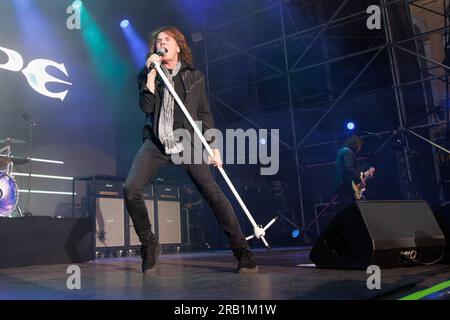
(11, 141)
(4, 160)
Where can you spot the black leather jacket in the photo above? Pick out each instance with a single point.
(196, 102)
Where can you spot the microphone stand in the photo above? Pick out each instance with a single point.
(258, 230)
(30, 135)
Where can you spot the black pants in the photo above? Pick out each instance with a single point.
(147, 161)
(345, 197)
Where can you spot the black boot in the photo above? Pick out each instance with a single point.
(246, 260)
(149, 254)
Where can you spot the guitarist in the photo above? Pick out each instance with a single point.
(348, 171)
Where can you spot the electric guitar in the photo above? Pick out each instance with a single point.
(358, 190)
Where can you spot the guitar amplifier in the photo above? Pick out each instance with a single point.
(105, 186)
(169, 222)
(167, 192)
(109, 216)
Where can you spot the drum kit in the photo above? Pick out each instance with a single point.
(9, 192)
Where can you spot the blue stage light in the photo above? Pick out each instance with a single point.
(350, 126)
(124, 24)
(136, 43)
(295, 233)
(77, 4)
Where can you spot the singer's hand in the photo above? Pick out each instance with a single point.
(152, 59)
(152, 74)
(217, 160)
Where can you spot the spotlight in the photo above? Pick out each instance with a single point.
(124, 24)
(295, 233)
(350, 126)
(262, 141)
(77, 4)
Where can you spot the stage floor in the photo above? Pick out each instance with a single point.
(210, 275)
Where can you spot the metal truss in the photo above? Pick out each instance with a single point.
(313, 34)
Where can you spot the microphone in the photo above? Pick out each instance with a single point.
(27, 117)
(161, 52)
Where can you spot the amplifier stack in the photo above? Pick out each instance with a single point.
(114, 230)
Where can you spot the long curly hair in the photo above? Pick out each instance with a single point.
(185, 51)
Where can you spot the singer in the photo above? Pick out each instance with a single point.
(163, 115)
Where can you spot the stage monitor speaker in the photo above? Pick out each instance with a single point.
(169, 222)
(384, 233)
(110, 223)
(134, 240)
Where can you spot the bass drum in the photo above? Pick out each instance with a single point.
(9, 194)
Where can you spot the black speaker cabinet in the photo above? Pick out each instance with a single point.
(384, 233)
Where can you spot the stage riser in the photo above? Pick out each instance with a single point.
(33, 241)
